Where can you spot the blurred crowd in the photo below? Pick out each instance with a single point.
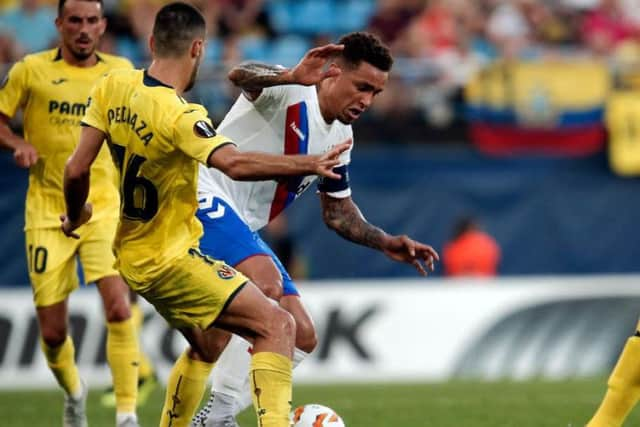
(438, 44)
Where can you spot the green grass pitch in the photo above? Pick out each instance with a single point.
(451, 404)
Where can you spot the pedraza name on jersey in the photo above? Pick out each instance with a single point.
(126, 116)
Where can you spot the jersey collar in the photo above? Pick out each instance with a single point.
(152, 81)
(58, 56)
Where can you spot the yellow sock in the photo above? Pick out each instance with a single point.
(185, 388)
(624, 388)
(145, 368)
(61, 361)
(122, 355)
(270, 377)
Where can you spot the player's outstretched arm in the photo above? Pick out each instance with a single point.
(24, 154)
(257, 166)
(77, 174)
(252, 77)
(344, 217)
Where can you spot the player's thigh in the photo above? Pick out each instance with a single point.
(193, 291)
(227, 237)
(51, 264)
(251, 314)
(96, 249)
(288, 286)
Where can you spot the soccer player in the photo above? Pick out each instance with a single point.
(302, 110)
(623, 390)
(157, 139)
(52, 88)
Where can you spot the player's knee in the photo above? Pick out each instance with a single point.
(282, 323)
(273, 291)
(53, 337)
(306, 336)
(271, 287)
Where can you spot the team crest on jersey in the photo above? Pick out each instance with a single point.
(203, 129)
(225, 272)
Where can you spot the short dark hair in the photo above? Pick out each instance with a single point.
(361, 46)
(176, 26)
(61, 4)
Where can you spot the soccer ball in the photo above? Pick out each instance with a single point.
(314, 415)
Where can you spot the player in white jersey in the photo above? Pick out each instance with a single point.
(304, 110)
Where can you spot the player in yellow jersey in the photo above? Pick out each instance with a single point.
(52, 88)
(157, 139)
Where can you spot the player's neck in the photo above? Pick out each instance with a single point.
(324, 104)
(170, 72)
(72, 60)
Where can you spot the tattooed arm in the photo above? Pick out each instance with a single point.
(252, 77)
(344, 217)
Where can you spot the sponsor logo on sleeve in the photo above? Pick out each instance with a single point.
(203, 129)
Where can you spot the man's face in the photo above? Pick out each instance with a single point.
(353, 91)
(81, 25)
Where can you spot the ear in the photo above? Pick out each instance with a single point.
(196, 48)
(58, 22)
(152, 43)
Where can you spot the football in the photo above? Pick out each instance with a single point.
(314, 415)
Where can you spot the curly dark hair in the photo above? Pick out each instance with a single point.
(361, 46)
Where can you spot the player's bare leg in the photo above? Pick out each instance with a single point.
(122, 347)
(231, 391)
(272, 332)
(59, 352)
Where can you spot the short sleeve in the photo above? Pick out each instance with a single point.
(95, 115)
(270, 96)
(195, 135)
(14, 89)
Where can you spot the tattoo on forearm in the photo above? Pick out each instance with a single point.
(345, 218)
(256, 76)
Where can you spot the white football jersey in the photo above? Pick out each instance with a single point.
(282, 120)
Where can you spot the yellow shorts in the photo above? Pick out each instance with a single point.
(52, 259)
(193, 291)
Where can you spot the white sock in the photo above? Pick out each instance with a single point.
(232, 368)
(243, 401)
(123, 416)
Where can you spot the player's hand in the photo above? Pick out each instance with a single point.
(25, 154)
(311, 68)
(68, 227)
(325, 163)
(404, 249)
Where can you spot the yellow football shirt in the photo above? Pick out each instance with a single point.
(53, 96)
(156, 139)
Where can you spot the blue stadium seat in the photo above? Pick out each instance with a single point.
(213, 51)
(354, 15)
(280, 16)
(288, 50)
(314, 16)
(254, 47)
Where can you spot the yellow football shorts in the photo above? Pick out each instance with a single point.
(51, 258)
(192, 291)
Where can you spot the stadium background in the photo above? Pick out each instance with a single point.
(520, 113)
